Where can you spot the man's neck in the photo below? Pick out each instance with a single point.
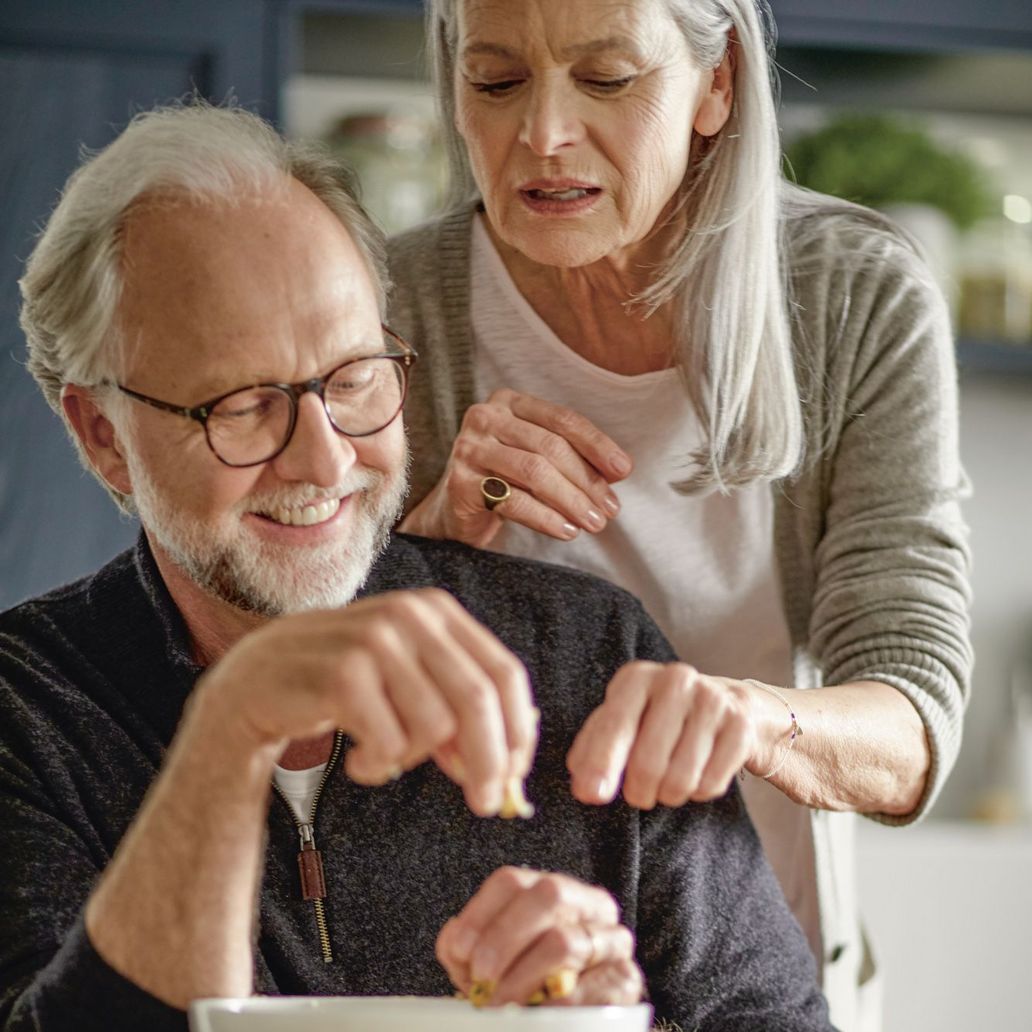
(214, 626)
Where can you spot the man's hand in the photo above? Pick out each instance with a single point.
(523, 927)
(408, 676)
(669, 733)
(558, 464)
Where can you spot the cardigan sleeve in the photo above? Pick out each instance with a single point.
(430, 308)
(891, 594)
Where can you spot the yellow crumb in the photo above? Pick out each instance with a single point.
(560, 984)
(515, 803)
(480, 993)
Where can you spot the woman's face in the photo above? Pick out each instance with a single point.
(577, 117)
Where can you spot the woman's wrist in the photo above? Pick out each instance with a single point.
(776, 724)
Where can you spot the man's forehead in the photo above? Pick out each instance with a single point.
(259, 289)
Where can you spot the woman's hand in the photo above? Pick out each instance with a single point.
(558, 464)
(523, 927)
(673, 735)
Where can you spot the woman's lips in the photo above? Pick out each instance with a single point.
(559, 197)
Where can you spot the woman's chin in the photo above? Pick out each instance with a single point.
(561, 248)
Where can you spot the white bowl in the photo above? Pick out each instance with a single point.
(404, 1014)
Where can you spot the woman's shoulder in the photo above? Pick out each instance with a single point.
(448, 232)
(826, 237)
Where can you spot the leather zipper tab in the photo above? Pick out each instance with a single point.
(310, 865)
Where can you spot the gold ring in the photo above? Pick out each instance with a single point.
(495, 491)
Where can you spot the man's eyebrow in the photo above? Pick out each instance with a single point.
(574, 50)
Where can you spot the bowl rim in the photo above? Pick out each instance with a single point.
(543, 1015)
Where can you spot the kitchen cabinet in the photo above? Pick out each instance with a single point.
(905, 24)
(964, 69)
(72, 73)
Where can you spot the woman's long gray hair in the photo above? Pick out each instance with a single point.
(726, 280)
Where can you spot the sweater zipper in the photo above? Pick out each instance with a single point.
(309, 859)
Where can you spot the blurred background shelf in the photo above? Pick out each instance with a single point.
(985, 356)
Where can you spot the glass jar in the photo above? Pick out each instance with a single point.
(399, 163)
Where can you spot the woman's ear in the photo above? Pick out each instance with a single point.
(715, 106)
(97, 435)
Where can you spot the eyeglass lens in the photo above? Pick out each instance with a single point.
(252, 425)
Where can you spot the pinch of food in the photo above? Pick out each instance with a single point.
(480, 992)
(515, 802)
(560, 984)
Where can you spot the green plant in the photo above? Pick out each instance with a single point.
(877, 160)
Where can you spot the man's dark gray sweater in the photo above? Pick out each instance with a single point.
(93, 678)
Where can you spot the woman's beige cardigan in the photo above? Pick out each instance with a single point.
(870, 543)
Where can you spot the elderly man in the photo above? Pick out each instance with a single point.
(267, 630)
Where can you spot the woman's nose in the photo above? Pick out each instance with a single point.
(316, 453)
(550, 120)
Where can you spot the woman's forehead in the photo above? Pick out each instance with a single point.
(573, 25)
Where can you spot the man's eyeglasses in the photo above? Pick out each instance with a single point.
(251, 425)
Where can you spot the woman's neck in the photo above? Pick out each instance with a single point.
(591, 308)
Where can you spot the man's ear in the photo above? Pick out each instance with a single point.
(97, 435)
(715, 108)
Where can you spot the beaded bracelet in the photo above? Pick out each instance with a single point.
(794, 732)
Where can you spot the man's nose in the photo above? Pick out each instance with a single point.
(316, 453)
(551, 120)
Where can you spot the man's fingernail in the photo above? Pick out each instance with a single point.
(621, 464)
(592, 519)
(612, 504)
(603, 788)
(570, 531)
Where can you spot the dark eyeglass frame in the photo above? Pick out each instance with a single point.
(294, 391)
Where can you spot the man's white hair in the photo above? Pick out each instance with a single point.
(73, 278)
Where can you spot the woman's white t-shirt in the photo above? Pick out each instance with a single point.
(703, 565)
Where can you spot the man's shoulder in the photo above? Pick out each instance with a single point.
(92, 623)
(482, 579)
(74, 603)
(572, 630)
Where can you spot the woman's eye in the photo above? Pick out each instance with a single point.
(496, 89)
(609, 85)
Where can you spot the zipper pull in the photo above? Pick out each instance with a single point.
(309, 863)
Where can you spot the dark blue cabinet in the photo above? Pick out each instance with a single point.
(943, 25)
(73, 73)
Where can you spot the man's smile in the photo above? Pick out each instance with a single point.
(304, 515)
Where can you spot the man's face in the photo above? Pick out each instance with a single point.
(218, 297)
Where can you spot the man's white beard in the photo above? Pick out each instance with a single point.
(259, 577)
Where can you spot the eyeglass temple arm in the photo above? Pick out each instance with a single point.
(200, 413)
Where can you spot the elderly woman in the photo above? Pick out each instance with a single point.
(646, 355)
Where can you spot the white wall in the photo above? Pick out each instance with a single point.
(996, 447)
(948, 907)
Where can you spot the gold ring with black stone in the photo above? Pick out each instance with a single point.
(495, 491)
